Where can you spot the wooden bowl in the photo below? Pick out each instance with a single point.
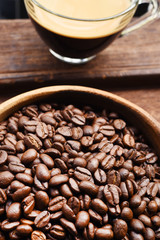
(89, 96)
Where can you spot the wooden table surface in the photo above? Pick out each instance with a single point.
(130, 67)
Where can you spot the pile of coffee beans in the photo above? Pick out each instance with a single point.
(76, 173)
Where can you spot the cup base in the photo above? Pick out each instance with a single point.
(71, 60)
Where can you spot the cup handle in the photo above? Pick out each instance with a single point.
(153, 12)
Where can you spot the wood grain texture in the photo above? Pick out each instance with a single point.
(24, 57)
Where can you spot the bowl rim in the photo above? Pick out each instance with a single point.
(36, 94)
(26, 98)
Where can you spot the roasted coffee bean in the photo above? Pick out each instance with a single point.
(74, 185)
(100, 176)
(7, 226)
(108, 162)
(24, 230)
(3, 196)
(14, 212)
(152, 207)
(58, 232)
(135, 236)
(137, 225)
(156, 220)
(82, 174)
(42, 219)
(112, 194)
(145, 220)
(69, 226)
(65, 131)
(61, 165)
(74, 204)
(56, 203)
(21, 193)
(32, 141)
(104, 234)
(149, 234)
(99, 206)
(89, 232)
(29, 156)
(135, 201)
(6, 178)
(92, 165)
(128, 140)
(47, 160)
(38, 235)
(120, 228)
(79, 162)
(126, 214)
(113, 177)
(16, 167)
(42, 173)
(85, 201)
(119, 124)
(68, 212)
(66, 191)
(95, 217)
(24, 178)
(82, 219)
(107, 130)
(3, 157)
(58, 179)
(28, 204)
(88, 187)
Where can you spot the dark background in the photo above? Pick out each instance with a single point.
(10, 9)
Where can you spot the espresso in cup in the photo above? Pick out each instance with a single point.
(78, 35)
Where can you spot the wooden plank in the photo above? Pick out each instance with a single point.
(24, 57)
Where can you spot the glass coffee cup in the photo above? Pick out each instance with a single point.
(75, 31)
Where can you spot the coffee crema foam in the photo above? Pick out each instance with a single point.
(84, 9)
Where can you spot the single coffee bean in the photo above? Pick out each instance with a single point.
(99, 206)
(69, 226)
(21, 193)
(95, 217)
(82, 219)
(42, 219)
(29, 156)
(92, 165)
(24, 230)
(135, 236)
(100, 176)
(145, 220)
(47, 160)
(74, 204)
(56, 216)
(156, 220)
(42, 172)
(79, 162)
(14, 212)
(56, 203)
(6, 178)
(120, 228)
(58, 232)
(3, 196)
(38, 235)
(28, 204)
(88, 187)
(3, 157)
(149, 234)
(135, 201)
(82, 174)
(68, 212)
(66, 191)
(137, 225)
(24, 178)
(104, 234)
(126, 214)
(58, 179)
